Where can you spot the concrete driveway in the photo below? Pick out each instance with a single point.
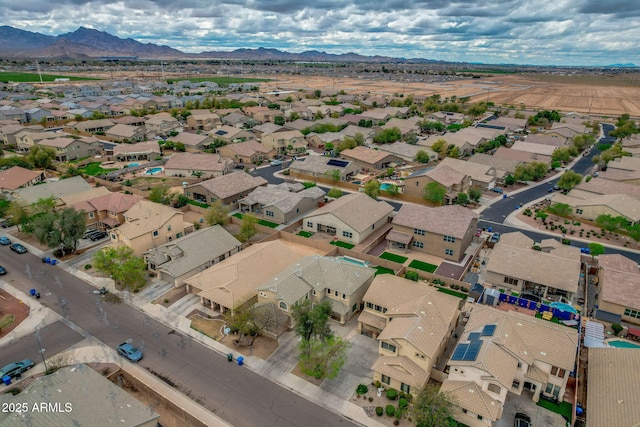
(540, 417)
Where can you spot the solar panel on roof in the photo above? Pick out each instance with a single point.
(339, 163)
(474, 336)
(473, 350)
(221, 132)
(488, 330)
(459, 352)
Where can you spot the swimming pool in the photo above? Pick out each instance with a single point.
(132, 165)
(386, 186)
(354, 261)
(153, 171)
(622, 344)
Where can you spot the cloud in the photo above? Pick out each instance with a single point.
(569, 32)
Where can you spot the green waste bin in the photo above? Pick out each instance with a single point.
(230, 357)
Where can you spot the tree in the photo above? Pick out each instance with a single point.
(335, 193)
(372, 188)
(278, 120)
(18, 213)
(216, 214)
(334, 175)
(122, 266)
(569, 179)
(453, 152)
(475, 194)
(42, 157)
(179, 200)
(440, 147)
(422, 157)
(321, 353)
(611, 223)
(560, 209)
(432, 408)
(595, 249)
(532, 171)
(160, 194)
(60, 229)
(386, 136)
(509, 180)
(462, 199)
(434, 192)
(248, 227)
(633, 231)
(197, 174)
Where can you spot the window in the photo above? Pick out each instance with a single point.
(449, 239)
(417, 244)
(552, 389)
(494, 388)
(344, 296)
(335, 293)
(91, 215)
(169, 227)
(579, 211)
(511, 281)
(388, 346)
(297, 210)
(268, 213)
(418, 232)
(283, 305)
(178, 235)
(464, 411)
(354, 308)
(558, 372)
(405, 387)
(448, 252)
(370, 305)
(155, 233)
(328, 291)
(385, 379)
(347, 234)
(632, 313)
(314, 292)
(480, 417)
(309, 224)
(515, 384)
(519, 364)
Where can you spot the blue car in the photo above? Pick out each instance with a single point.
(17, 247)
(15, 369)
(129, 352)
(4, 241)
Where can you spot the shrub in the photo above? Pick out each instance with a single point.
(379, 411)
(87, 266)
(411, 275)
(617, 328)
(403, 403)
(362, 389)
(370, 399)
(392, 394)
(396, 422)
(390, 410)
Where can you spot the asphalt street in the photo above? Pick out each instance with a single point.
(234, 393)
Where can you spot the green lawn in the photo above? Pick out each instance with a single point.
(452, 292)
(34, 77)
(199, 204)
(260, 221)
(342, 244)
(306, 234)
(383, 270)
(94, 169)
(424, 266)
(393, 257)
(564, 408)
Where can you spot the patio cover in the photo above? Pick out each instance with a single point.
(111, 222)
(634, 331)
(396, 236)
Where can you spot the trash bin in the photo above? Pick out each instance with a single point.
(54, 261)
(230, 357)
(6, 380)
(240, 360)
(32, 292)
(47, 260)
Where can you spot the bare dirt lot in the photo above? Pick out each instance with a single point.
(11, 306)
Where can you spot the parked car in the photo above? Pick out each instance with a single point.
(586, 251)
(276, 162)
(88, 233)
(497, 190)
(15, 369)
(4, 241)
(3, 271)
(129, 352)
(97, 236)
(6, 223)
(521, 420)
(495, 237)
(17, 247)
(241, 167)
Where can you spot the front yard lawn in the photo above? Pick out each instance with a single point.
(424, 266)
(393, 257)
(564, 408)
(383, 270)
(306, 234)
(94, 169)
(343, 244)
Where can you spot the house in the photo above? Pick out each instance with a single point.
(232, 283)
(203, 120)
(187, 256)
(321, 166)
(351, 218)
(466, 140)
(619, 295)
(236, 119)
(228, 188)
(412, 323)
(56, 189)
(149, 151)
(369, 159)
(500, 166)
(247, 152)
(94, 126)
(534, 148)
(280, 205)
(192, 141)
(68, 148)
(230, 134)
(106, 211)
(148, 224)
(445, 117)
(444, 231)
(125, 133)
(483, 176)
(83, 397)
(538, 138)
(162, 124)
(15, 177)
(266, 129)
(452, 180)
(589, 206)
(502, 352)
(612, 397)
(521, 156)
(407, 152)
(27, 138)
(547, 269)
(317, 278)
(287, 141)
(200, 165)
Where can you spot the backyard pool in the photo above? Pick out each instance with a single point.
(153, 171)
(132, 165)
(622, 344)
(386, 186)
(354, 261)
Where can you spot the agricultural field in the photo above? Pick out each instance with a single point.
(7, 77)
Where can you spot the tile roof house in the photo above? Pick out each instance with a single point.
(351, 218)
(412, 323)
(187, 256)
(521, 156)
(321, 166)
(194, 164)
(162, 124)
(148, 225)
(501, 166)
(107, 211)
(619, 283)
(502, 352)
(535, 148)
(445, 231)
(193, 141)
(232, 283)
(280, 205)
(589, 205)
(203, 120)
(56, 189)
(228, 188)
(407, 152)
(551, 272)
(121, 132)
(93, 126)
(235, 119)
(141, 151)
(453, 180)
(369, 159)
(612, 387)
(481, 175)
(286, 141)
(230, 134)
(466, 139)
(15, 177)
(68, 148)
(247, 152)
(317, 278)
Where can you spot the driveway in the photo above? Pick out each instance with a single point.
(540, 417)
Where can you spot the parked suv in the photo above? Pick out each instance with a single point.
(97, 235)
(15, 369)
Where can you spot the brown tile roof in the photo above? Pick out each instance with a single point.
(470, 396)
(620, 280)
(140, 147)
(198, 161)
(613, 398)
(190, 139)
(451, 220)
(601, 185)
(115, 202)
(16, 176)
(446, 175)
(357, 210)
(401, 368)
(248, 148)
(365, 154)
(234, 183)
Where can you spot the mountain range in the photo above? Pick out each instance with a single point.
(87, 43)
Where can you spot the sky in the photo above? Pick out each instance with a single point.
(540, 32)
